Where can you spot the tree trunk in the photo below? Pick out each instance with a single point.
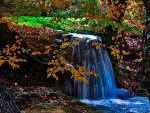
(7, 37)
(1, 2)
(7, 102)
(146, 49)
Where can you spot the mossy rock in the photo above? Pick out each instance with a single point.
(45, 108)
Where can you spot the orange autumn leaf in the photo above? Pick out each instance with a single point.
(10, 25)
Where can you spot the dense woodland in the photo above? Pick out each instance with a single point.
(33, 41)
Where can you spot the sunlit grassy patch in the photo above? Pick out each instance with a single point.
(67, 25)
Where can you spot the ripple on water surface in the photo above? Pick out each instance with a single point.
(131, 105)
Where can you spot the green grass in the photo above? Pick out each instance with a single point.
(78, 25)
(31, 21)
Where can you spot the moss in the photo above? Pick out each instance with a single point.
(50, 108)
(43, 106)
(71, 109)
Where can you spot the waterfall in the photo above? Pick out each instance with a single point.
(101, 91)
(97, 60)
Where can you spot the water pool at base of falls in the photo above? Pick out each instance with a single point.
(130, 105)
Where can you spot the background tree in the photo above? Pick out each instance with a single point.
(146, 48)
(1, 2)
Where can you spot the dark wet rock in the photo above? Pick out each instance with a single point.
(25, 94)
(33, 94)
(41, 92)
(7, 102)
(68, 36)
(58, 37)
(28, 98)
(20, 92)
(58, 41)
(59, 34)
(122, 93)
(44, 106)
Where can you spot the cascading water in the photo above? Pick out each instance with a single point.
(101, 91)
(97, 60)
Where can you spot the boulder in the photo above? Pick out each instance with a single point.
(7, 102)
(122, 93)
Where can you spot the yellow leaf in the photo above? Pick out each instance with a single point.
(36, 53)
(16, 37)
(85, 80)
(18, 52)
(94, 43)
(104, 45)
(96, 46)
(113, 38)
(47, 47)
(118, 57)
(54, 75)
(66, 39)
(10, 25)
(48, 75)
(44, 26)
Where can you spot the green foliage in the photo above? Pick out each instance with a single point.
(79, 25)
(67, 25)
(86, 16)
(40, 42)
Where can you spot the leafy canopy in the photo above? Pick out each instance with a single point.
(121, 18)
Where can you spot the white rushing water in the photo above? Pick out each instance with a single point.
(97, 60)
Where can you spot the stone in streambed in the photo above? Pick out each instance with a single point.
(122, 93)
